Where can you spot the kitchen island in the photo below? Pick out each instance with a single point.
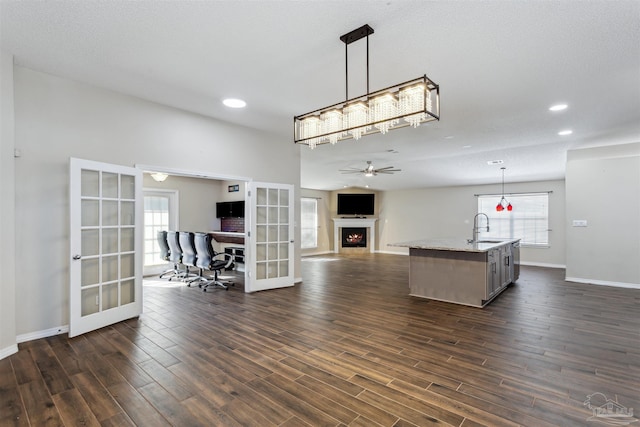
(454, 270)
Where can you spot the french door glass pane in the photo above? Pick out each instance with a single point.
(90, 185)
(109, 240)
(127, 292)
(90, 242)
(127, 239)
(109, 185)
(90, 213)
(109, 213)
(127, 215)
(109, 268)
(90, 301)
(109, 296)
(90, 271)
(128, 188)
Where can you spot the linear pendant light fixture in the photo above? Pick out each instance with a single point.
(410, 103)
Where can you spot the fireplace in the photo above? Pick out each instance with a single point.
(354, 237)
(368, 223)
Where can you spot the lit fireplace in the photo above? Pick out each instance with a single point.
(354, 237)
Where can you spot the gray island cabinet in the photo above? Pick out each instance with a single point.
(456, 271)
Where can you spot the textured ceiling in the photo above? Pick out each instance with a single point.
(500, 65)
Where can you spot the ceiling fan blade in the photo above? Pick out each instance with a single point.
(385, 168)
(347, 172)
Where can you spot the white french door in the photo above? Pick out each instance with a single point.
(270, 236)
(105, 245)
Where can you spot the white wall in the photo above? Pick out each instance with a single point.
(197, 199)
(448, 212)
(7, 210)
(234, 196)
(57, 118)
(603, 188)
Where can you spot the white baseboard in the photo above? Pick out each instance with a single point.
(42, 334)
(297, 280)
(542, 264)
(8, 351)
(603, 283)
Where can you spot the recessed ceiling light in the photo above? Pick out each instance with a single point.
(565, 132)
(495, 162)
(558, 107)
(466, 146)
(234, 103)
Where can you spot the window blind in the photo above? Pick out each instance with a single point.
(528, 221)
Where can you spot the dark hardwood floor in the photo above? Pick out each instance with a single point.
(348, 346)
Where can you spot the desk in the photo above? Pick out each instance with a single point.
(227, 237)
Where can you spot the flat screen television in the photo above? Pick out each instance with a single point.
(230, 209)
(356, 204)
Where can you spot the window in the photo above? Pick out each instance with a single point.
(160, 213)
(309, 223)
(528, 221)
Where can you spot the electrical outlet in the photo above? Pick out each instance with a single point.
(579, 222)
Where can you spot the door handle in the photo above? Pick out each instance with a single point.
(76, 257)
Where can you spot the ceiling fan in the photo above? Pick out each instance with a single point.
(370, 170)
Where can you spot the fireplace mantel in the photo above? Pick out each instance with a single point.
(369, 223)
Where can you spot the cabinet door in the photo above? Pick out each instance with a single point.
(507, 265)
(493, 273)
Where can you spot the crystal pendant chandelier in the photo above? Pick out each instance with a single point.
(503, 204)
(406, 104)
(384, 110)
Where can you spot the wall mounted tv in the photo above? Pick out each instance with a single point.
(230, 209)
(356, 204)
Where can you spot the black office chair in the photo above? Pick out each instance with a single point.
(186, 239)
(165, 254)
(175, 254)
(207, 261)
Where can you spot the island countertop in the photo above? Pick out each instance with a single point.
(455, 244)
(454, 270)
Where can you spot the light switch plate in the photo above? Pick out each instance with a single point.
(579, 222)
